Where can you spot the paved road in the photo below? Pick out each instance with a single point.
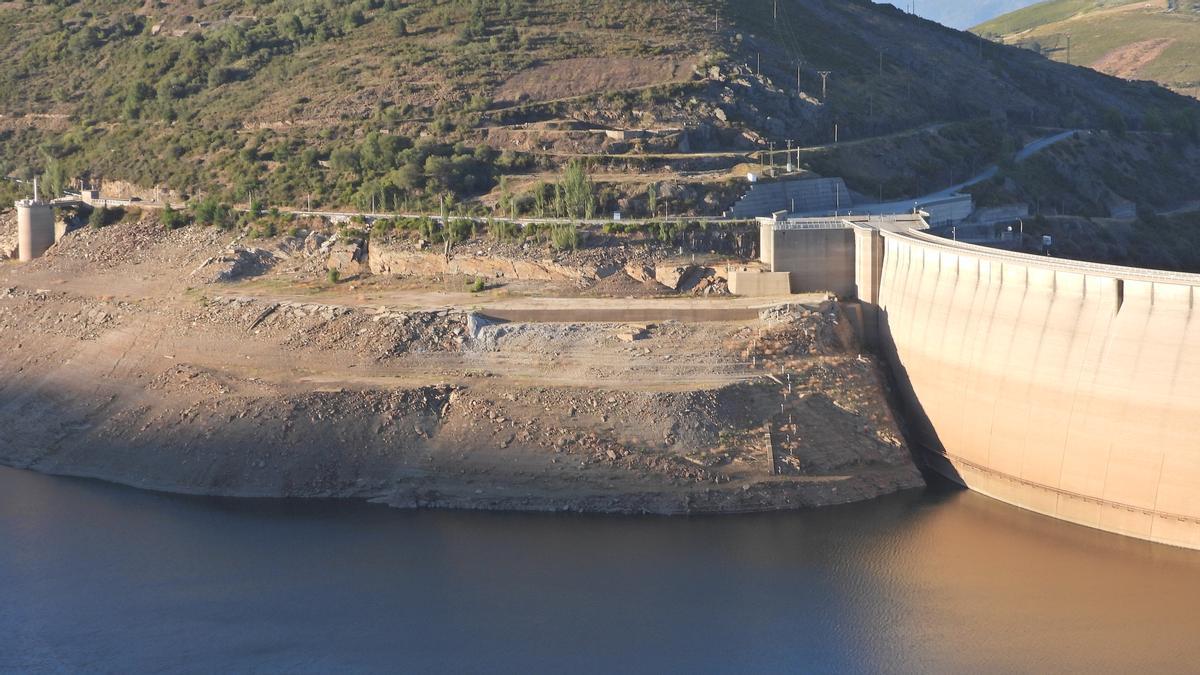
(990, 172)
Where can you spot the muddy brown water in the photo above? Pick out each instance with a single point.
(100, 578)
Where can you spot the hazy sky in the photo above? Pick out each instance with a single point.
(963, 13)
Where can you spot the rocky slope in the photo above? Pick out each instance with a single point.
(122, 366)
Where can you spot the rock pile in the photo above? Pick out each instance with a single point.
(8, 234)
(58, 314)
(236, 262)
(796, 331)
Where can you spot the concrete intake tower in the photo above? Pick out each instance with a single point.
(35, 228)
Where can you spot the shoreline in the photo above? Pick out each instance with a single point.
(122, 369)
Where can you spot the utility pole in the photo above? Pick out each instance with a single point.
(835, 133)
(775, 13)
(824, 83)
(771, 145)
(799, 89)
(1068, 48)
(758, 69)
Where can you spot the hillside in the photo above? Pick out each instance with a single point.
(472, 104)
(963, 15)
(1132, 39)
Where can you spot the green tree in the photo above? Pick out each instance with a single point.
(55, 179)
(578, 192)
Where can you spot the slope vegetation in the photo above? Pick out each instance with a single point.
(1131, 39)
(434, 104)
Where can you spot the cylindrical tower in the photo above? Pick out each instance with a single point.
(35, 228)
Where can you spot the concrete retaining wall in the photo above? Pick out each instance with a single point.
(1066, 388)
(621, 315)
(760, 284)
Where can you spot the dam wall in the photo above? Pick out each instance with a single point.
(1071, 389)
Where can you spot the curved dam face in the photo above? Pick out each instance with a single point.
(1067, 388)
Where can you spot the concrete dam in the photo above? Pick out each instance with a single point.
(1066, 388)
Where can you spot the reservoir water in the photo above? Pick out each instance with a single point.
(95, 577)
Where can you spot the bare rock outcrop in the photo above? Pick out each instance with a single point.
(347, 259)
(8, 235)
(671, 275)
(387, 260)
(236, 263)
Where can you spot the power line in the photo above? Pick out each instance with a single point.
(824, 83)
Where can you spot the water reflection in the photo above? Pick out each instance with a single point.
(97, 577)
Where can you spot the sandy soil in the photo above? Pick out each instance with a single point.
(123, 364)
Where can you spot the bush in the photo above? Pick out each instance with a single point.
(564, 237)
(172, 219)
(334, 276)
(479, 286)
(211, 212)
(99, 217)
(503, 230)
(263, 229)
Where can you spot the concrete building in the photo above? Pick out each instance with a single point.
(820, 254)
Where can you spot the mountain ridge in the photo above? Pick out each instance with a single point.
(350, 103)
(1132, 39)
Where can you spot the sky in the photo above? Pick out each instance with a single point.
(963, 13)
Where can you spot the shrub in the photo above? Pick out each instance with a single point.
(334, 276)
(99, 217)
(209, 211)
(564, 237)
(479, 286)
(172, 219)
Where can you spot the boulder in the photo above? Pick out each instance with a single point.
(640, 273)
(347, 259)
(671, 275)
(313, 243)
